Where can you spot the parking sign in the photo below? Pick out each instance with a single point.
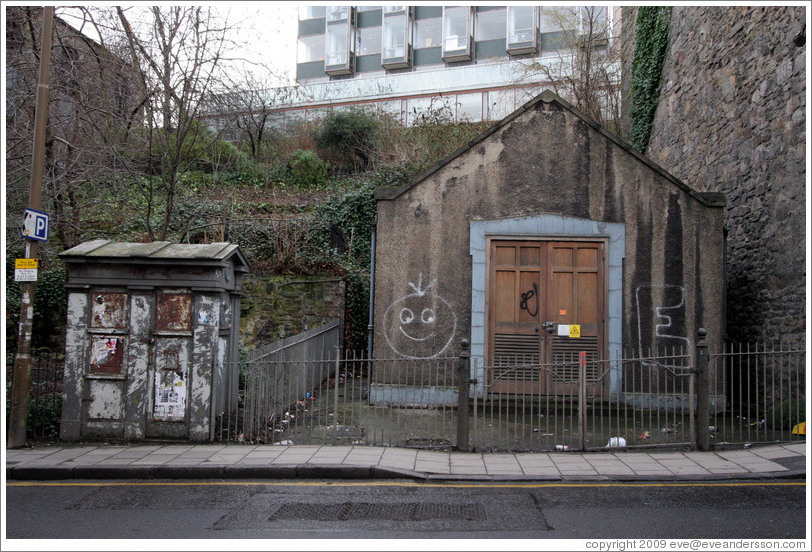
(35, 225)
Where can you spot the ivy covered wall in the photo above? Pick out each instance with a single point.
(650, 47)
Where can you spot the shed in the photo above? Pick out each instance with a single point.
(152, 339)
(543, 237)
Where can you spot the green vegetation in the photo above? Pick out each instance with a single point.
(289, 211)
(653, 25)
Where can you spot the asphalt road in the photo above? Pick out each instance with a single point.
(403, 510)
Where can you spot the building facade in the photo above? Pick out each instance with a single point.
(544, 223)
(473, 63)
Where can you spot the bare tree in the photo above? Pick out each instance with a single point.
(92, 92)
(586, 67)
(177, 51)
(249, 106)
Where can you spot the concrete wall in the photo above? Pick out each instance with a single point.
(546, 163)
(731, 118)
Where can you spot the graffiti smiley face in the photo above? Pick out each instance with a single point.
(420, 324)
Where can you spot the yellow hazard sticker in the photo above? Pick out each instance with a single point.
(575, 330)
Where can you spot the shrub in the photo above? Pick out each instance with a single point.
(348, 139)
(307, 170)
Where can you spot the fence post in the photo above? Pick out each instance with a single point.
(702, 392)
(582, 398)
(463, 381)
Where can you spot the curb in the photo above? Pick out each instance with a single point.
(327, 471)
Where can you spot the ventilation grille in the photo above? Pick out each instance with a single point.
(512, 350)
(566, 358)
(514, 357)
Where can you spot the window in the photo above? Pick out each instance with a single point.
(367, 8)
(427, 32)
(490, 24)
(369, 41)
(340, 40)
(556, 20)
(469, 107)
(521, 27)
(593, 19)
(337, 13)
(311, 48)
(394, 37)
(397, 38)
(337, 45)
(456, 33)
(311, 12)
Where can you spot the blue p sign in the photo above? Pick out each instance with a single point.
(35, 225)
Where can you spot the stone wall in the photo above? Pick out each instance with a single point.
(275, 307)
(731, 119)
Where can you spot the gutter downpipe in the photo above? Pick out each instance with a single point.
(371, 325)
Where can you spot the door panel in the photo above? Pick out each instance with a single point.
(576, 298)
(170, 365)
(544, 284)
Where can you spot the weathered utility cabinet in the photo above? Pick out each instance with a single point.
(152, 339)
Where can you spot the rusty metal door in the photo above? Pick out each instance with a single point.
(103, 398)
(539, 293)
(170, 356)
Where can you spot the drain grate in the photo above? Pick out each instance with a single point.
(414, 511)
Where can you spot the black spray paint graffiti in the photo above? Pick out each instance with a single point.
(529, 294)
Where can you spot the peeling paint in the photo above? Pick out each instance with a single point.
(173, 312)
(171, 381)
(109, 310)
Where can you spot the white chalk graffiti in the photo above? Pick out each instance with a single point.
(421, 324)
(667, 339)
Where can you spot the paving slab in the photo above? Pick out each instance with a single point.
(284, 462)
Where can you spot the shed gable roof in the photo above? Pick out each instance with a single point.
(710, 199)
(157, 252)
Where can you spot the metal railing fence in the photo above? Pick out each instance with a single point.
(764, 388)
(631, 401)
(340, 400)
(580, 404)
(45, 397)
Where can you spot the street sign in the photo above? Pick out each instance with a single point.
(25, 270)
(35, 225)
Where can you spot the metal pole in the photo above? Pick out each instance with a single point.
(463, 381)
(21, 381)
(702, 392)
(582, 398)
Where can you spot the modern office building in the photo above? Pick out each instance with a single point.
(403, 59)
(473, 62)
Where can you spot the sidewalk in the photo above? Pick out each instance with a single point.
(211, 461)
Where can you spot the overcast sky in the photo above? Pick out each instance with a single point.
(265, 31)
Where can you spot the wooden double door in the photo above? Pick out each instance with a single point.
(545, 308)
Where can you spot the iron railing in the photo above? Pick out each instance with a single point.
(582, 404)
(631, 401)
(756, 394)
(45, 397)
(764, 389)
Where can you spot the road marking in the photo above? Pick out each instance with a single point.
(395, 484)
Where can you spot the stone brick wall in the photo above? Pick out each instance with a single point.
(731, 119)
(275, 306)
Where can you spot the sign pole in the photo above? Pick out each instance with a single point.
(21, 382)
